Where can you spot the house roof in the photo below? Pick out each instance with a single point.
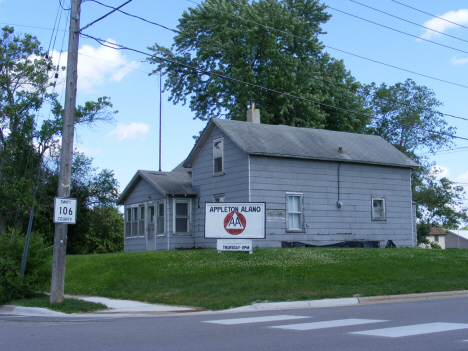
(437, 231)
(180, 168)
(461, 233)
(167, 183)
(304, 143)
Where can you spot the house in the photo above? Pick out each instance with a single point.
(437, 235)
(449, 239)
(319, 186)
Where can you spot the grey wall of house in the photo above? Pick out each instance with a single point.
(234, 182)
(453, 241)
(139, 195)
(324, 223)
(177, 241)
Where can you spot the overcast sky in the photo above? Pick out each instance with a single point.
(132, 142)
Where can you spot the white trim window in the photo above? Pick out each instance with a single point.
(128, 222)
(134, 221)
(182, 216)
(161, 218)
(378, 209)
(294, 212)
(218, 156)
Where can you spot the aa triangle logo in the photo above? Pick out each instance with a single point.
(235, 223)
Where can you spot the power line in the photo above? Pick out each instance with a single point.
(35, 27)
(295, 72)
(138, 17)
(427, 13)
(407, 21)
(121, 47)
(398, 31)
(107, 14)
(60, 1)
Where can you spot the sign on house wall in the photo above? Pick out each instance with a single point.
(225, 220)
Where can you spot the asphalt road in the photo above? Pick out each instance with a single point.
(438, 324)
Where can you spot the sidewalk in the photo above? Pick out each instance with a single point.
(127, 307)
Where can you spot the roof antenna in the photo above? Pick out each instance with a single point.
(160, 116)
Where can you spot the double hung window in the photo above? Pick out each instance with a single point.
(181, 216)
(294, 212)
(378, 209)
(128, 222)
(218, 153)
(161, 222)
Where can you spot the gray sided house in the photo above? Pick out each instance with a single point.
(320, 187)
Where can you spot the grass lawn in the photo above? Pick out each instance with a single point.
(211, 280)
(68, 305)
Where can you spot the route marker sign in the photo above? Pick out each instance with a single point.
(65, 210)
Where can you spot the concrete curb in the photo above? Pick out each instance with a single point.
(30, 311)
(272, 306)
(123, 308)
(409, 297)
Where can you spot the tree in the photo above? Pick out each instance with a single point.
(99, 225)
(25, 79)
(407, 116)
(268, 43)
(440, 202)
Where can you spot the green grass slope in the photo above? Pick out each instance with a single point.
(211, 280)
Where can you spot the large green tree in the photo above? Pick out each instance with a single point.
(223, 44)
(27, 135)
(407, 116)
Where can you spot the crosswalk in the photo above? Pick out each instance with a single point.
(389, 332)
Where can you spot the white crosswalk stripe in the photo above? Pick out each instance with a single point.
(328, 324)
(255, 319)
(410, 330)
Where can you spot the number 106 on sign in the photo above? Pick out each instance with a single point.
(65, 210)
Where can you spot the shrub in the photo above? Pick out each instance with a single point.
(38, 268)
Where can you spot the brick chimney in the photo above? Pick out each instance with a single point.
(253, 114)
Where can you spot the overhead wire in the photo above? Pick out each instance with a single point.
(398, 31)
(107, 14)
(294, 71)
(427, 13)
(201, 70)
(407, 21)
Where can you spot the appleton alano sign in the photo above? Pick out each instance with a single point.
(244, 220)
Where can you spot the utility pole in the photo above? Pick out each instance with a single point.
(60, 236)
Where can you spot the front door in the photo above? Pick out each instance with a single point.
(150, 229)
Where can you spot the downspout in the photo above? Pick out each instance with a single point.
(338, 203)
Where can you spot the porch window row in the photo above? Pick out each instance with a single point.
(136, 224)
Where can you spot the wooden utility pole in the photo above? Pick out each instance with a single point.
(60, 236)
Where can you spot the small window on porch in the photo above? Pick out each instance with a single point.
(161, 218)
(128, 222)
(134, 221)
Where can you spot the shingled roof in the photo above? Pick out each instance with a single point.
(167, 183)
(304, 143)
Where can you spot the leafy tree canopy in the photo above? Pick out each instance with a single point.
(407, 116)
(268, 43)
(26, 177)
